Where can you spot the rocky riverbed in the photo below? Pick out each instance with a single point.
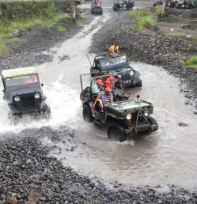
(29, 173)
(151, 47)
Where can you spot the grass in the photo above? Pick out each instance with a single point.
(4, 50)
(191, 63)
(7, 29)
(61, 29)
(143, 19)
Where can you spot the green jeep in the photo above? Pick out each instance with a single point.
(123, 117)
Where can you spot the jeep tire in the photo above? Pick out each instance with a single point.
(87, 113)
(115, 132)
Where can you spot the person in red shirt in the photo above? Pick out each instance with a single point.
(110, 82)
(100, 84)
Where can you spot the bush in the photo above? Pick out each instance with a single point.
(13, 10)
(143, 19)
(192, 62)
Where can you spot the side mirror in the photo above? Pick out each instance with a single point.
(42, 85)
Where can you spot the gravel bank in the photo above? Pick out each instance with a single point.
(150, 47)
(27, 172)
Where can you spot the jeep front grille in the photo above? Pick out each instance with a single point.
(27, 100)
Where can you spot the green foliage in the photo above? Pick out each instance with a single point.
(61, 29)
(191, 63)
(17, 16)
(4, 51)
(143, 19)
(159, 11)
(13, 10)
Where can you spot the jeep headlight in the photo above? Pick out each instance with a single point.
(17, 99)
(131, 73)
(146, 113)
(129, 116)
(37, 96)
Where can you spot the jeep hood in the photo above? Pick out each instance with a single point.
(11, 92)
(130, 106)
(116, 67)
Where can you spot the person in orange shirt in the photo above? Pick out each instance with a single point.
(114, 50)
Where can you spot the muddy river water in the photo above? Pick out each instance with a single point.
(168, 156)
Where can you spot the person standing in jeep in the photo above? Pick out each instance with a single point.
(114, 50)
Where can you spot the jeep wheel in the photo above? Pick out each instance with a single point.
(46, 111)
(154, 124)
(13, 117)
(115, 133)
(87, 113)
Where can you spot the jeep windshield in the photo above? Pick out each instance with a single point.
(114, 63)
(21, 80)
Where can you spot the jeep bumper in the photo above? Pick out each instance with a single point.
(16, 110)
(127, 83)
(143, 128)
(97, 11)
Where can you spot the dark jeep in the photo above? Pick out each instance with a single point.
(22, 90)
(119, 65)
(123, 4)
(182, 4)
(123, 118)
(96, 8)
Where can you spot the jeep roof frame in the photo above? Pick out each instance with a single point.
(10, 73)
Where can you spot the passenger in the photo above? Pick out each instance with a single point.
(107, 97)
(110, 82)
(98, 105)
(114, 50)
(100, 84)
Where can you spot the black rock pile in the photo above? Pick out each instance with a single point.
(27, 173)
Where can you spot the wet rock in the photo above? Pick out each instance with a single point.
(63, 58)
(182, 124)
(189, 96)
